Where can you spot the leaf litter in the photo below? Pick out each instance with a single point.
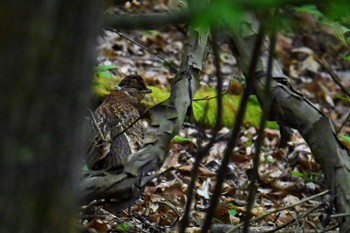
(286, 175)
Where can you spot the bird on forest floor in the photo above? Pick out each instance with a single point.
(116, 130)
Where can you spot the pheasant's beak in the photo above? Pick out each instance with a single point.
(147, 91)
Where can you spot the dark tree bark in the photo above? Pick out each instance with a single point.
(46, 58)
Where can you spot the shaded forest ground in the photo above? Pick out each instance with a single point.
(287, 175)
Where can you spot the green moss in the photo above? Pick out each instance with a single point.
(158, 95)
(204, 109)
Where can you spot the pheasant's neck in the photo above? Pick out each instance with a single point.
(124, 96)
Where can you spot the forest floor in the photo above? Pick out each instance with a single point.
(287, 176)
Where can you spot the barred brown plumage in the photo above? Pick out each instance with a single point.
(116, 130)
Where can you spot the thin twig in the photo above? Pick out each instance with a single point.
(340, 215)
(172, 67)
(235, 131)
(281, 209)
(343, 124)
(333, 75)
(295, 219)
(171, 206)
(134, 122)
(97, 126)
(203, 151)
(329, 229)
(266, 106)
(212, 97)
(337, 80)
(148, 21)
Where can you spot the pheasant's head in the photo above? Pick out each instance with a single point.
(134, 86)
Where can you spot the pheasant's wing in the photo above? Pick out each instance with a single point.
(115, 158)
(114, 129)
(128, 122)
(120, 150)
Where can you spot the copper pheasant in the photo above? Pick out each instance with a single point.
(116, 130)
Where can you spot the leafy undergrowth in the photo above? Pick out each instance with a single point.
(286, 175)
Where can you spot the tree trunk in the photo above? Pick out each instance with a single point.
(292, 109)
(46, 55)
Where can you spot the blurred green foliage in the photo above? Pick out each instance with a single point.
(225, 10)
(338, 25)
(334, 14)
(104, 80)
(204, 107)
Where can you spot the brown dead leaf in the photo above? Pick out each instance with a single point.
(203, 191)
(241, 158)
(202, 170)
(284, 217)
(221, 213)
(98, 225)
(258, 211)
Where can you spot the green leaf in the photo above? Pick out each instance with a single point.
(103, 71)
(180, 139)
(232, 212)
(158, 95)
(311, 9)
(343, 98)
(345, 138)
(124, 227)
(85, 168)
(104, 80)
(297, 174)
(105, 67)
(307, 177)
(347, 58)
